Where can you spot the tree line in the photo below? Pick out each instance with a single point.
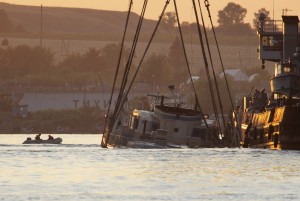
(230, 21)
(36, 66)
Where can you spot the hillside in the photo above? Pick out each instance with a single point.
(71, 20)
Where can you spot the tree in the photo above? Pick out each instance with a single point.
(110, 56)
(202, 89)
(92, 60)
(23, 60)
(177, 63)
(232, 14)
(169, 21)
(231, 20)
(155, 67)
(72, 63)
(256, 17)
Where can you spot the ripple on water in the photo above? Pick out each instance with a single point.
(87, 172)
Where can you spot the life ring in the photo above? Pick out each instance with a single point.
(276, 139)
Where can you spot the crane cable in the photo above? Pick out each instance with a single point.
(104, 137)
(187, 63)
(213, 71)
(206, 2)
(205, 58)
(143, 57)
(125, 75)
(132, 52)
(219, 53)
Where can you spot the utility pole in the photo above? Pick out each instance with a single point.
(41, 34)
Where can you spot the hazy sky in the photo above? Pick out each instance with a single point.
(184, 6)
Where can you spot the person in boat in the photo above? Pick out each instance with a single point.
(38, 137)
(50, 137)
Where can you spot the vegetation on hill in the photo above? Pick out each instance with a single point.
(27, 67)
(89, 22)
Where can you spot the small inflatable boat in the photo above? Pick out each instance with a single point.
(33, 141)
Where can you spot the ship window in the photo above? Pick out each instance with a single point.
(287, 69)
(278, 70)
(272, 43)
(134, 122)
(199, 133)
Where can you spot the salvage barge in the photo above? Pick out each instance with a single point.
(274, 122)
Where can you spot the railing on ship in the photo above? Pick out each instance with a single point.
(271, 26)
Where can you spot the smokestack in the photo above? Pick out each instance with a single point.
(290, 35)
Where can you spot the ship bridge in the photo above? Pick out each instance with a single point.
(278, 39)
(279, 42)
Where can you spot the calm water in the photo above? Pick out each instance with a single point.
(79, 169)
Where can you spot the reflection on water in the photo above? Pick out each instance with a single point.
(79, 169)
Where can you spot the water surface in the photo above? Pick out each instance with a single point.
(79, 169)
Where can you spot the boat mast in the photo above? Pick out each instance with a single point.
(41, 33)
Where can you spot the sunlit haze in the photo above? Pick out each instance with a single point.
(185, 7)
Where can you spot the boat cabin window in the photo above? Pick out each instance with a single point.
(271, 43)
(288, 69)
(134, 123)
(199, 133)
(278, 70)
(291, 69)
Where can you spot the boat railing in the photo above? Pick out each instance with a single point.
(272, 26)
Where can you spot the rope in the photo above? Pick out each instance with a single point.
(219, 53)
(206, 2)
(143, 57)
(187, 63)
(129, 62)
(214, 74)
(205, 58)
(133, 48)
(104, 141)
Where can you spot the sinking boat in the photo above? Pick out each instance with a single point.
(273, 122)
(57, 140)
(162, 125)
(165, 127)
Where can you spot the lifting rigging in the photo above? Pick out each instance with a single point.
(126, 87)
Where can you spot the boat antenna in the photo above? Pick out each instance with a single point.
(106, 134)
